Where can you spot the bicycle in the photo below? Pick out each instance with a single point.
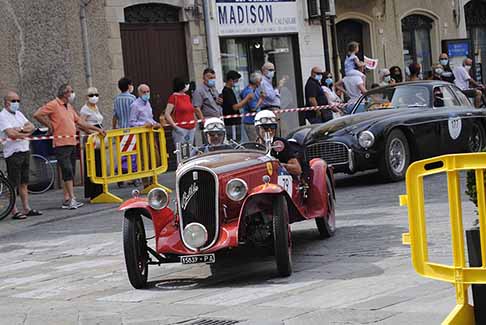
(41, 174)
(7, 196)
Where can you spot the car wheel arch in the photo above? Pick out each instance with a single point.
(130, 213)
(410, 140)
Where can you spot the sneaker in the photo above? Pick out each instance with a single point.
(66, 204)
(71, 204)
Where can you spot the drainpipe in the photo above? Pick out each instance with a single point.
(324, 5)
(84, 37)
(207, 26)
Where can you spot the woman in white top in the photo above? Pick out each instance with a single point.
(327, 85)
(91, 114)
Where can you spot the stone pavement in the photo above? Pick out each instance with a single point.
(67, 268)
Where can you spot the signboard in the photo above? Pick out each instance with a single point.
(370, 64)
(248, 17)
(458, 49)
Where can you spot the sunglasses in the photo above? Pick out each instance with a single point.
(92, 95)
(15, 101)
(269, 126)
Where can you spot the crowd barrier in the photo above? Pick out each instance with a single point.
(458, 274)
(126, 155)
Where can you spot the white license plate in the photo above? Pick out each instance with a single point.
(195, 259)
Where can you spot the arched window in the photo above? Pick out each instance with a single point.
(151, 13)
(416, 41)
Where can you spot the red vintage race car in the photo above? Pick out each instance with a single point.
(226, 199)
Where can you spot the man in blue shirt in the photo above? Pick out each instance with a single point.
(272, 96)
(121, 107)
(252, 106)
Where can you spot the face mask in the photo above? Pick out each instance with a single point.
(387, 79)
(236, 89)
(329, 81)
(211, 83)
(146, 97)
(443, 61)
(318, 77)
(130, 89)
(467, 67)
(439, 71)
(93, 100)
(270, 74)
(14, 107)
(72, 97)
(186, 88)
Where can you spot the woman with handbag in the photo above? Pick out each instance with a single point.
(180, 113)
(91, 114)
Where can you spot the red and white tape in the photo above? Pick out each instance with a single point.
(276, 111)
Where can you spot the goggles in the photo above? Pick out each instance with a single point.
(269, 126)
(267, 120)
(217, 127)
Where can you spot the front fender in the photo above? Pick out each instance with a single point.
(317, 195)
(135, 203)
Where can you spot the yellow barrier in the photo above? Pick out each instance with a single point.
(460, 275)
(140, 142)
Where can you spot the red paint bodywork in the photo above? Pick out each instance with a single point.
(259, 199)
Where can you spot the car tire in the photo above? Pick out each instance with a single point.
(281, 237)
(477, 139)
(135, 249)
(327, 225)
(396, 156)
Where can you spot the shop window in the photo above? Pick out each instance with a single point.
(416, 41)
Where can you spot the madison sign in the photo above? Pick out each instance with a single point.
(244, 17)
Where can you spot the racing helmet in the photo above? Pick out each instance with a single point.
(266, 118)
(214, 130)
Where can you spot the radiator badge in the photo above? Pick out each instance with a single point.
(186, 197)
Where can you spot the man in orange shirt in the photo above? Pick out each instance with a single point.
(61, 119)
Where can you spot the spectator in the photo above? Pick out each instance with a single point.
(179, 109)
(463, 81)
(385, 78)
(61, 119)
(315, 96)
(121, 106)
(206, 98)
(252, 106)
(91, 114)
(437, 71)
(447, 74)
(328, 88)
(286, 95)
(415, 71)
(352, 63)
(271, 99)
(14, 125)
(231, 105)
(396, 74)
(353, 86)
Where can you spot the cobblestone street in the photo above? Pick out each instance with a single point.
(69, 269)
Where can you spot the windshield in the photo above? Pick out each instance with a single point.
(393, 98)
(188, 151)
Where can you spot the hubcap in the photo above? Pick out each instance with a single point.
(397, 156)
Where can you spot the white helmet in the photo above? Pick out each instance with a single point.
(214, 124)
(265, 117)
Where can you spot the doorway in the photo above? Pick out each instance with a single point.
(353, 30)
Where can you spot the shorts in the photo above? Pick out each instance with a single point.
(470, 93)
(18, 168)
(66, 160)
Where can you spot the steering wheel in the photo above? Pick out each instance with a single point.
(253, 146)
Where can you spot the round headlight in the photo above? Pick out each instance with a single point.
(195, 235)
(158, 199)
(366, 139)
(236, 189)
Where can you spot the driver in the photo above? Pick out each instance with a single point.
(214, 132)
(266, 126)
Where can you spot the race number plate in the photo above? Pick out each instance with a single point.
(195, 259)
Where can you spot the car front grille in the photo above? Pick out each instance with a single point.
(334, 153)
(197, 201)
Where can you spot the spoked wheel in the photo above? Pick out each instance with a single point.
(7, 197)
(135, 249)
(41, 174)
(396, 157)
(281, 237)
(327, 225)
(477, 139)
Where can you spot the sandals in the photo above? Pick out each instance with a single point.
(33, 213)
(19, 216)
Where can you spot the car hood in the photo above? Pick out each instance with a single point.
(351, 123)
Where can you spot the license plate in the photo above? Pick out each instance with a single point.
(195, 259)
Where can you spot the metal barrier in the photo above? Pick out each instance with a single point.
(137, 148)
(460, 275)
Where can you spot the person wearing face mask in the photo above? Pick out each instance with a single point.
(385, 78)
(396, 74)
(447, 74)
(231, 105)
(437, 71)
(314, 96)
(15, 126)
(327, 85)
(90, 114)
(121, 106)
(62, 120)
(353, 86)
(464, 81)
(179, 109)
(272, 95)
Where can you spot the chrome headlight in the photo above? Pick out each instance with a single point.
(158, 198)
(195, 235)
(366, 139)
(236, 189)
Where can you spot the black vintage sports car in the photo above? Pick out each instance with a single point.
(392, 126)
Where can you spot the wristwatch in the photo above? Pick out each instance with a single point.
(22, 129)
